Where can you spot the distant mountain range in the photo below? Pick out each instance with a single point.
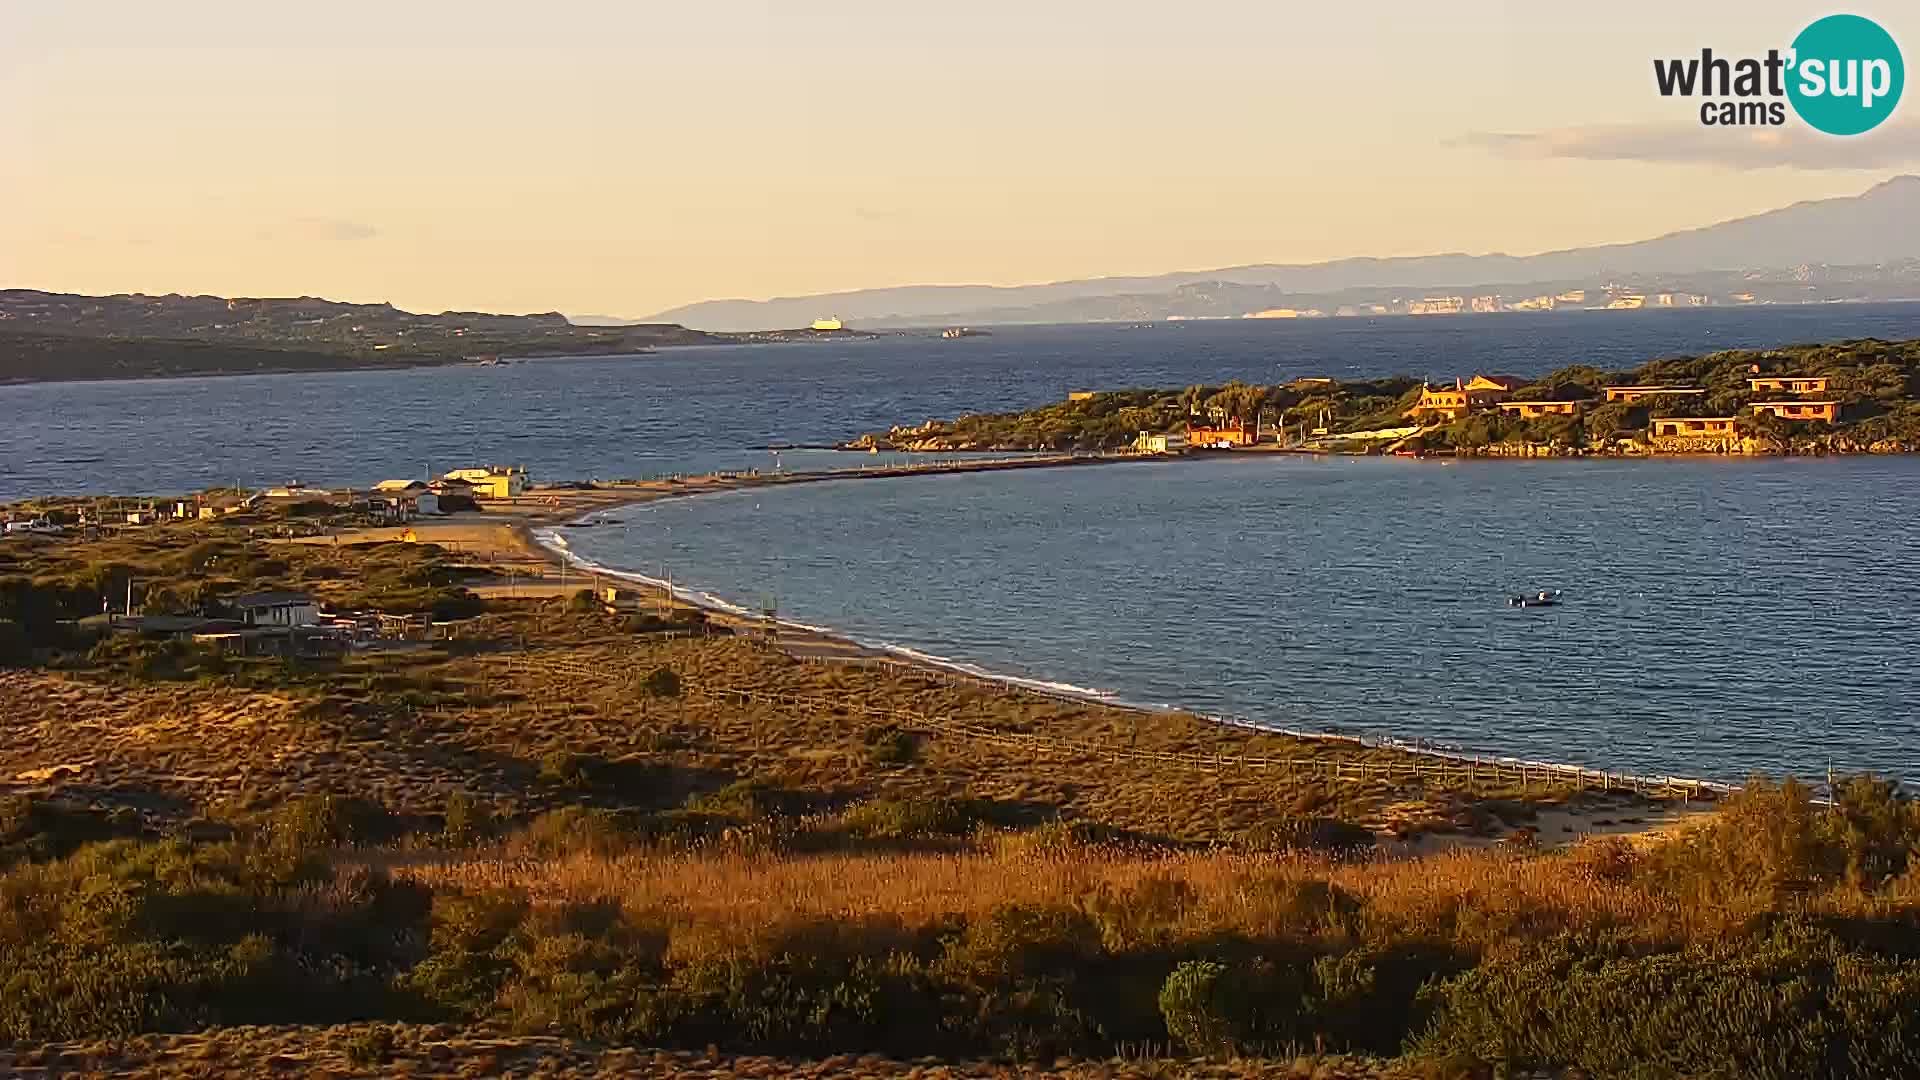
(1876, 229)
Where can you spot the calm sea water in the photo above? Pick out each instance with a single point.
(1723, 616)
(1720, 616)
(707, 408)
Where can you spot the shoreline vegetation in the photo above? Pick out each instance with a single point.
(517, 822)
(1849, 397)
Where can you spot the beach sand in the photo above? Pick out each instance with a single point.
(502, 537)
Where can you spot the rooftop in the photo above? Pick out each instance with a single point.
(268, 599)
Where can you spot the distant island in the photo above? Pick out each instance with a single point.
(1847, 397)
(1853, 249)
(47, 336)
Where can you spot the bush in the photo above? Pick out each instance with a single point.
(35, 830)
(1195, 1004)
(309, 823)
(1221, 1010)
(662, 683)
(892, 746)
(572, 829)
(564, 768)
(905, 819)
(464, 820)
(1794, 1003)
(371, 1047)
(1316, 834)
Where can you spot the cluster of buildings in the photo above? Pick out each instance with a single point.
(273, 623)
(396, 501)
(1788, 397)
(404, 500)
(1609, 298)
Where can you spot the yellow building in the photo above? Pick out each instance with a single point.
(1632, 394)
(1799, 410)
(494, 481)
(1440, 403)
(1080, 395)
(828, 323)
(1160, 443)
(1789, 384)
(1530, 409)
(1489, 389)
(1696, 427)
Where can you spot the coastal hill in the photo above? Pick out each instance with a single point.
(1870, 233)
(46, 336)
(1843, 397)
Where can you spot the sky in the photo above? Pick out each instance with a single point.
(622, 158)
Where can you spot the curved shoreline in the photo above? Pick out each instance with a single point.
(844, 647)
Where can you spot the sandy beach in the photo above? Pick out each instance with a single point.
(502, 539)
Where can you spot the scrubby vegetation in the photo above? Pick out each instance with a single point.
(556, 823)
(51, 586)
(1775, 941)
(1876, 382)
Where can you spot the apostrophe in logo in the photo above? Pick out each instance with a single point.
(1847, 75)
(1843, 75)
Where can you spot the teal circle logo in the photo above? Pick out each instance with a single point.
(1847, 75)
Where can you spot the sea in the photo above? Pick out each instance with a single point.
(1718, 618)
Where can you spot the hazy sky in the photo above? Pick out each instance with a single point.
(622, 157)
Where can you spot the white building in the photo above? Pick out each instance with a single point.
(275, 609)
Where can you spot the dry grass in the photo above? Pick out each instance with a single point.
(444, 1052)
(532, 680)
(406, 732)
(1480, 898)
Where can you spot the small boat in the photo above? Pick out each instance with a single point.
(1543, 598)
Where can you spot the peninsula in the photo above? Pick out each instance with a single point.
(50, 337)
(1846, 397)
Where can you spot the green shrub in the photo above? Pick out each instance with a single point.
(310, 823)
(1194, 1002)
(373, 1046)
(1218, 1009)
(1792, 1003)
(564, 768)
(576, 829)
(35, 829)
(892, 746)
(464, 821)
(908, 819)
(1314, 834)
(662, 682)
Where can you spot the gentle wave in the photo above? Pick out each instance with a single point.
(709, 600)
(712, 601)
(1368, 598)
